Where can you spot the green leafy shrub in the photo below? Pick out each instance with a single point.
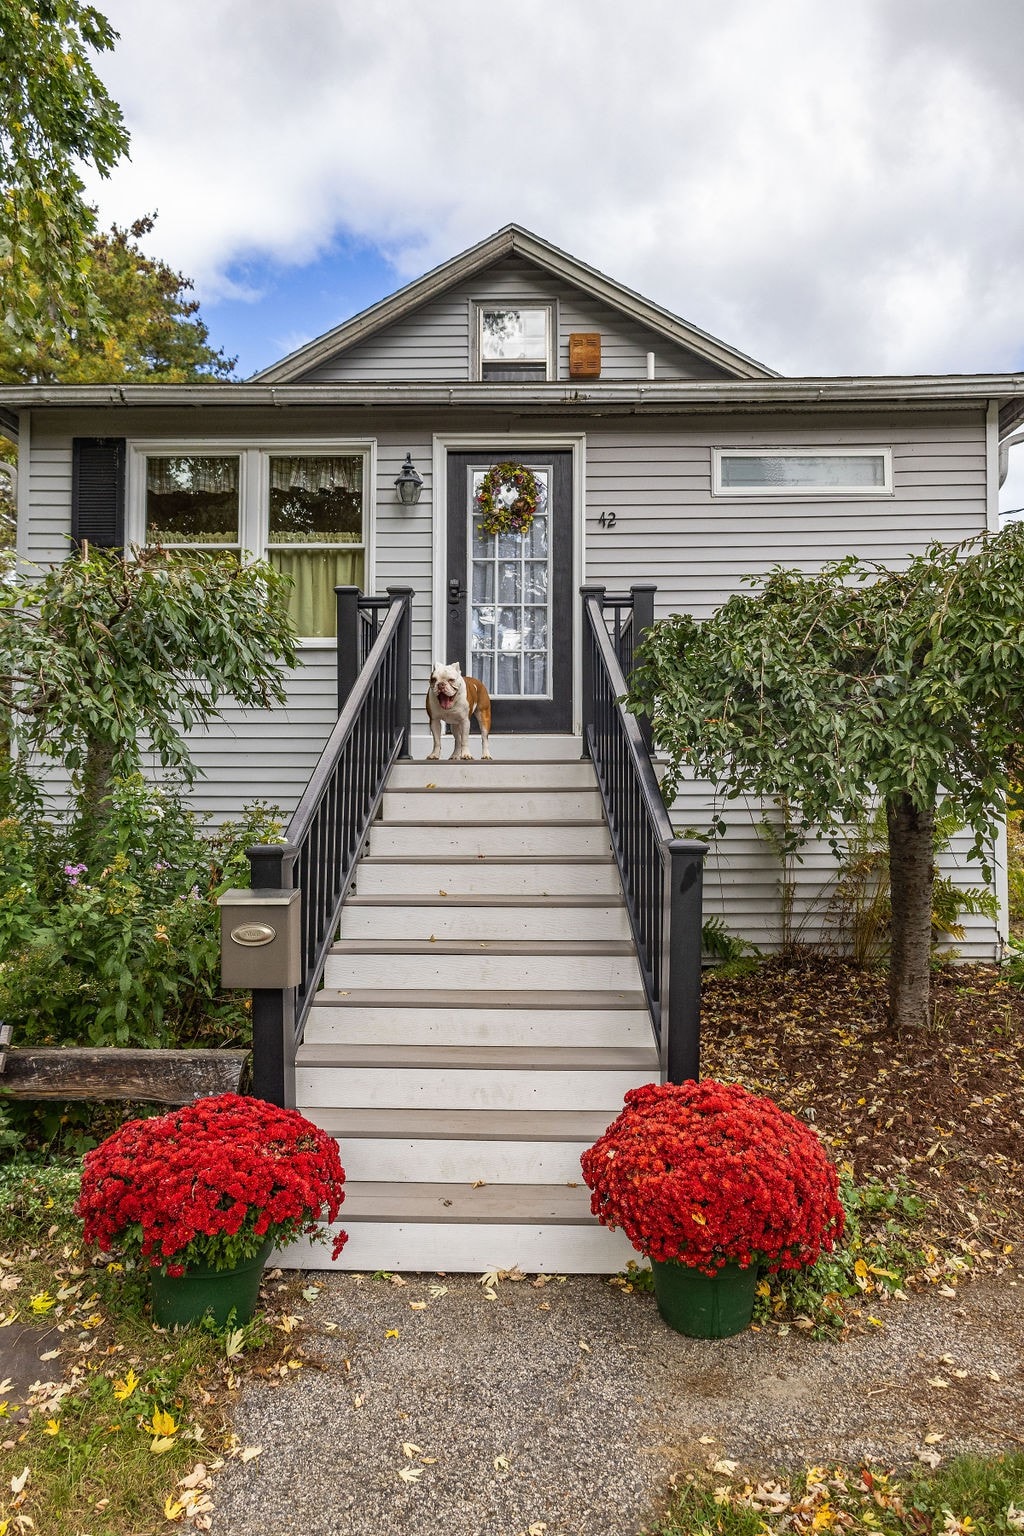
(123, 950)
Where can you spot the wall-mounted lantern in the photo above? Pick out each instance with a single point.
(409, 483)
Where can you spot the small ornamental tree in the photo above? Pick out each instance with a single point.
(108, 657)
(854, 683)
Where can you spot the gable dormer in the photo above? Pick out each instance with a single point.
(513, 309)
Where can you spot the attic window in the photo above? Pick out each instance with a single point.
(514, 342)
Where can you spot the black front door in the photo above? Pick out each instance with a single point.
(510, 597)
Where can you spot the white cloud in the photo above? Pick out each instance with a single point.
(834, 189)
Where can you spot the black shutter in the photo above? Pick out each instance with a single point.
(97, 491)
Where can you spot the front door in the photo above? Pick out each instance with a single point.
(510, 598)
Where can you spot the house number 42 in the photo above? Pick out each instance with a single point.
(607, 520)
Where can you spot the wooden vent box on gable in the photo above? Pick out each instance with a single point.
(585, 355)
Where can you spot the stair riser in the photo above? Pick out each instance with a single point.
(466, 1248)
(454, 808)
(486, 879)
(474, 1026)
(551, 842)
(448, 921)
(492, 775)
(484, 969)
(463, 1162)
(456, 1088)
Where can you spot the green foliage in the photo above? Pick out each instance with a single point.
(151, 328)
(860, 909)
(880, 1249)
(1015, 836)
(123, 951)
(55, 115)
(854, 684)
(977, 1494)
(105, 657)
(851, 683)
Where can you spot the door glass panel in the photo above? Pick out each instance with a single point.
(509, 643)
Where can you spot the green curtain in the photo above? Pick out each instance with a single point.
(315, 573)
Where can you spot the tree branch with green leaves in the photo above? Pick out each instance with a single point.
(852, 684)
(106, 658)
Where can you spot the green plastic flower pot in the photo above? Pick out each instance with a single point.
(705, 1306)
(182, 1299)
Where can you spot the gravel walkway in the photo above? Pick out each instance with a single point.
(564, 1410)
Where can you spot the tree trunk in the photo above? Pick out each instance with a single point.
(911, 877)
(93, 810)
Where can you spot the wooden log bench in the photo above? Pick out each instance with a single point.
(101, 1073)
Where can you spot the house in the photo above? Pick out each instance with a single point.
(663, 456)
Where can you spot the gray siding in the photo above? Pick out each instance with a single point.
(656, 477)
(256, 754)
(655, 474)
(435, 341)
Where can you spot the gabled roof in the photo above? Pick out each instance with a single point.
(512, 240)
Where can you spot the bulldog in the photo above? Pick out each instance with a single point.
(452, 699)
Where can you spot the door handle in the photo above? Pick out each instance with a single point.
(456, 591)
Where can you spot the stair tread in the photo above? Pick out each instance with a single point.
(522, 947)
(474, 997)
(519, 1058)
(475, 859)
(443, 1203)
(528, 1125)
(491, 824)
(491, 789)
(612, 901)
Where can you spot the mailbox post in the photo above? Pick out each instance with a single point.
(260, 950)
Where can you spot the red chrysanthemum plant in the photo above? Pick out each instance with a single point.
(210, 1183)
(709, 1174)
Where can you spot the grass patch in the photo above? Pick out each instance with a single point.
(125, 1436)
(974, 1494)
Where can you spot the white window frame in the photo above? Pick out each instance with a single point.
(478, 306)
(254, 456)
(785, 492)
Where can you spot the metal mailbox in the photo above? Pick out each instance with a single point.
(259, 939)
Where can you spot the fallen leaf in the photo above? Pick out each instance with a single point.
(409, 1450)
(311, 1292)
(124, 1389)
(250, 1453)
(438, 1291)
(410, 1474)
(391, 1333)
(930, 1458)
(707, 1439)
(479, 1184)
(51, 1427)
(51, 1354)
(937, 1381)
(417, 1306)
(501, 1463)
(933, 1438)
(725, 1467)
(585, 1347)
(161, 1443)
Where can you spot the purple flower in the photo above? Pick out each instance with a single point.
(74, 870)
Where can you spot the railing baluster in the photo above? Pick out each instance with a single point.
(660, 874)
(325, 836)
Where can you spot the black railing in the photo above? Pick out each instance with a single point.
(661, 874)
(325, 836)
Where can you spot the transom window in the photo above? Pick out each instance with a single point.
(806, 472)
(514, 342)
(305, 512)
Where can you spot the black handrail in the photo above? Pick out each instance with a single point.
(326, 834)
(661, 874)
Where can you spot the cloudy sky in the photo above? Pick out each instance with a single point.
(832, 188)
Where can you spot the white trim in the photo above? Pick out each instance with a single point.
(253, 480)
(791, 451)
(23, 505)
(464, 442)
(992, 467)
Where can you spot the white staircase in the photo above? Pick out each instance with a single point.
(481, 1018)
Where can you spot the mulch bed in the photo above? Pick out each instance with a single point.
(943, 1109)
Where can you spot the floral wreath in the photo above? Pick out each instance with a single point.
(498, 514)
